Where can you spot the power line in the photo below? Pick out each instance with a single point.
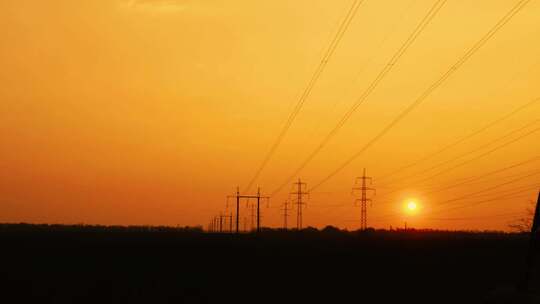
(509, 134)
(509, 196)
(480, 192)
(473, 195)
(506, 192)
(472, 152)
(445, 202)
(362, 69)
(307, 91)
(465, 182)
(536, 158)
(476, 217)
(506, 18)
(386, 69)
(463, 139)
(469, 218)
(481, 182)
(481, 155)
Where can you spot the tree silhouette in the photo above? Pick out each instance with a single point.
(524, 224)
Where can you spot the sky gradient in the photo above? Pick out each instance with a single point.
(152, 112)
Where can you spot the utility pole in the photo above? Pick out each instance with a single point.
(252, 209)
(300, 192)
(363, 198)
(259, 208)
(221, 223)
(237, 208)
(230, 222)
(285, 214)
(238, 197)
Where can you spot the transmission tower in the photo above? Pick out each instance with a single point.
(363, 198)
(214, 224)
(299, 194)
(285, 214)
(221, 216)
(230, 218)
(238, 197)
(252, 217)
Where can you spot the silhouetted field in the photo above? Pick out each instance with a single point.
(81, 264)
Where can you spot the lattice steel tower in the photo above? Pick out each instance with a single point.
(363, 198)
(300, 192)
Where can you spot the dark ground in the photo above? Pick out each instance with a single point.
(58, 264)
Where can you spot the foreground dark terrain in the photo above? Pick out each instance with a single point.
(71, 264)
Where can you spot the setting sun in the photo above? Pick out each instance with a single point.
(105, 102)
(411, 207)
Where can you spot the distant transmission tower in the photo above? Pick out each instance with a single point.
(363, 198)
(238, 197)
(285, 214)
(230, 219)
(300, 192)
(252, 216)
(258, 197)
(221, 216)
(215, 224)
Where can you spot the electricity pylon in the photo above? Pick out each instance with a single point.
(230, 218)
(285, 214)
(221, 216)
(300, 192)
(238, 197)
(252, 216)
(363, 198)
(214, 224)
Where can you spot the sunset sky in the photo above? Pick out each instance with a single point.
(151, 112)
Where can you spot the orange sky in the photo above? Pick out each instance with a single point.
(151, 112)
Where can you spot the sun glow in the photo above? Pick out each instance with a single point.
(411, 207)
